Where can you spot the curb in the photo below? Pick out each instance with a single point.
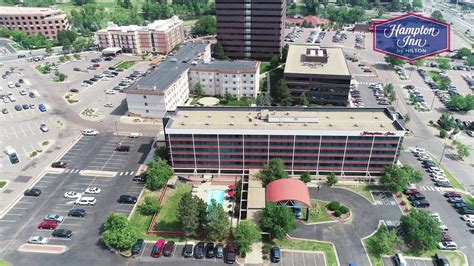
(373, 233)
(321, 241)
(45, 249)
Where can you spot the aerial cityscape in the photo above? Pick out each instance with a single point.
(248, 132)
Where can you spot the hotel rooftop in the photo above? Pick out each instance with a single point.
(284, 118)
(310, 59)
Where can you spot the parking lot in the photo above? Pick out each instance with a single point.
(14, 231)
(383, 198)
(290, 258)
(388, 261)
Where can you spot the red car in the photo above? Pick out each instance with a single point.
(51, 225)
(411, 191)
(452, 194)
(158, 248)
(447, 237)
(96, 65)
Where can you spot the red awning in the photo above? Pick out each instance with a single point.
(288, 189)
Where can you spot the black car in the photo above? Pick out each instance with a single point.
(139, 178)
(188, 250)
(440, 260)
(21, 81)
(417, 196)
(199, 250)
(459, 205)
(421, 203)
(59, 164)
(18, 107)
(77, 213)
(74, 90)
(219, 252)
(466, 210)
(25, 106)
(275, 254)
(112, 68)
(443, 184)
(34, 192)
(62, 233)
(210, 252)
(32, 95)
(127, 199)
(94, 79)
(137, 247)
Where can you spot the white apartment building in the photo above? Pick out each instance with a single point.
(239, 78)
(167, 86)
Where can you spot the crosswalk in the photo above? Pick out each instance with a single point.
(363, 82)
(75, 171)
(429, 188)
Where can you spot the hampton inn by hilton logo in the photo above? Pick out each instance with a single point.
(411, 37)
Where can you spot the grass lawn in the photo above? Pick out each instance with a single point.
(16, 46)
(241, 102)
(166, 220)
(454, 257)
(369, 244)
(318, 211)
(467, 198)
(107, 4)
(264, 67)
(311, 246)
(125, 64)
(4, 263)
(449, 176)
(2, 183)
(363, 190)
(42, 69)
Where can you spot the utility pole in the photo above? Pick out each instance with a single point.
(442, 154)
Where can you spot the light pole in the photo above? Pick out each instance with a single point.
(116, 130)
(442, 154)
(432, 102)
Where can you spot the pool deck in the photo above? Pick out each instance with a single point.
(203, 191)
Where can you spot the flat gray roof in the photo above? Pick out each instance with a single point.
(283, 118)
(230, 66)
(336, 64)
(168, 71)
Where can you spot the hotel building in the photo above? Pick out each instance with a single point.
(348, 141)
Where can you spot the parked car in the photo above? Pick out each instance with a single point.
(275, 255)
(417, 196)
(54, 217)
(74, 90)
(452, 194)
(137, 247)
(87, 201)
(421, 203)
(467, 217)
(90, 132)
(230, 254)
(447, 237)
(466, 210)
(92, 190)
(447, 245)
(219, 251)
(210, 251)
(72, 195)
(50, 225)
(443, 184)
(158, 248)
(123, 148)
(59, 164)
(168, 249)
(455, 200)
(33, 192)
(62, 233)
(38, 240)
(77, 213)
(199, 250)
(188, 249)
(459, 205)
(42, 107)
(128, 199)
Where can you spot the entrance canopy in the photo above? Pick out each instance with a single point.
(288, 189)
(111, 51)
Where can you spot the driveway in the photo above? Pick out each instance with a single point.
(346, 236)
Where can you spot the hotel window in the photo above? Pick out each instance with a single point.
(251, 75)
(144, 96)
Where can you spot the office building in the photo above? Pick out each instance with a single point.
(321, 73)
(34, 20)
(161, 36)
(165, 87)
(251, 29)
(347, 141)
(239, 78)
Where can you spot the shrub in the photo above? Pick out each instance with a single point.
(343, 209)
(431, 122)
(334, 205)
(443, 133)
(337, 213)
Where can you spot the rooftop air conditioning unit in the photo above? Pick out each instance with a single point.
(382, 125)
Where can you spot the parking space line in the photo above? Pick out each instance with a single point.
(14, 214)
(8, 221)
(41, 186)
(14, 131)
(72, 224)
(19, 208)
(33, 133)
(23, 131)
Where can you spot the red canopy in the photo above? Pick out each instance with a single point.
(288, 189)
(231, 193)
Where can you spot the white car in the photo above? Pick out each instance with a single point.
(6, 99)
(470, 223)
(447, 245)
(32, 106)
(444, 227)
(109, 92)
(72, 195)
(23, 92)
(419, 150)
(90, 132)
(438, 178)
(44, 128)
(134, 135)
(38, 240)
(54, 217)
(468, 217)
(11, 85)
(93, 190)
(434, 169)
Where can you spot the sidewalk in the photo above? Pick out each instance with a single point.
(255, 256)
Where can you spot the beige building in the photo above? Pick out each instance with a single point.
(160, 36)
(32, 20)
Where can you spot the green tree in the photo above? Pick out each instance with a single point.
(417, 4)
(262, 100)
(443, 63)
(463, 150)
(394, 61)
(150, 206)
(198, 90)
(446, 121)
(219, 51)
(274, 62)
(384, 242)
(305, 177)
(420, 62)
(278, 220)
(115, 221)
(218, 223)
(118, 232)
(389, 92)
(49, 49)
(157, 174)
(470, 60)
(66, 37)
(246, 233)
(205, 26)
(5, 32)
(280, 93)
(187, 215)
(462, 102)
(437, 15)
(163, 153)
(443, 133)
(272, 171)
(331, 179)
(303, 100)
(228, 97)
(67, 46)
(127, 4)
(284, 52)
(422, 231)
(397, 178)
(462, 52)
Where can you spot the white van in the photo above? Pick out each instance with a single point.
(12, 98)
(400, 260)
(89, 201)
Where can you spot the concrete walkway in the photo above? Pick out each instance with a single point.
(255, 256)
(346, 236)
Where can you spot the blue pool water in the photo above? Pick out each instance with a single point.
(217, 195)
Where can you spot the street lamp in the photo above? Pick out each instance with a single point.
(442, 154)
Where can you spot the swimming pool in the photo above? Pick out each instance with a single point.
(217, 195)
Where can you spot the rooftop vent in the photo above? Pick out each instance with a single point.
(305, 124)
(232, 116)
(352, 117)
(280, 124)
(273, 113)
(356, 125)
(231, 123)
(330, 125)
(182, 123)
(186, 115)
(287, 113)
(327, 117)
(207, 124)
(209, 116)
(376, 117)
(382, 125)
(255, 124)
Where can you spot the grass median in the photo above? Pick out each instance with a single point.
(318, 211)
(327, 248)
(449, 176)
(2, 183)
(125, 64)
